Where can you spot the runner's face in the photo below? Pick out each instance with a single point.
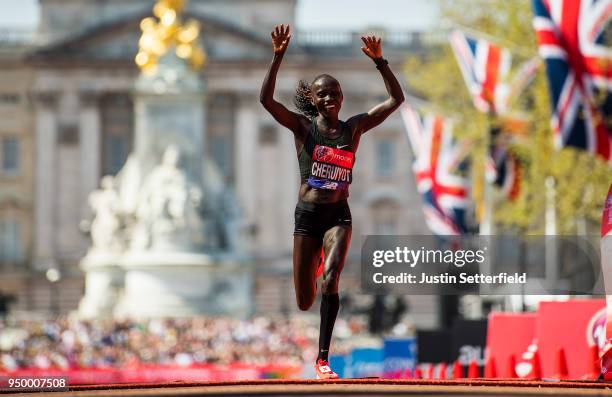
(327, 97)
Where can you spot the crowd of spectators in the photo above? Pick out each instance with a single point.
(71, 343)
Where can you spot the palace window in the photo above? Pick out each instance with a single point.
(10, 241)
(10, 155)
(9, 98)
(117, 131)
(385, 157)
(384, 214)
(116, 148)
(220, 114)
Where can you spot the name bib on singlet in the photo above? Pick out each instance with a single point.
(332, 168)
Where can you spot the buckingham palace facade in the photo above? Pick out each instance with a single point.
(67, 110)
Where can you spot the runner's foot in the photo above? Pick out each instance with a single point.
(324, 371)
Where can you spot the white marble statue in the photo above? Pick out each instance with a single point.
(167, 209)
(170, 212)
(105, 227)
(128, 183)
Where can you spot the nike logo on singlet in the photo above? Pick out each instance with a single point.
(341, 146)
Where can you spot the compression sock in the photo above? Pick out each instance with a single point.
(330, 304)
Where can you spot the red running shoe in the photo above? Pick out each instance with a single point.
(324, 371)
(320, 265)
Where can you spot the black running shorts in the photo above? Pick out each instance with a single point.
(313, 219)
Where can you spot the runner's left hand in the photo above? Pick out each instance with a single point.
(372, 47)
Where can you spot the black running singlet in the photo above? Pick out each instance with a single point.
(327, 163)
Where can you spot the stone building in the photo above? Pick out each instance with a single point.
(17, 163)
(65, 97)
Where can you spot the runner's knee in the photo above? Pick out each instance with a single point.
(330, 283)
(305, 301)
(305, 305)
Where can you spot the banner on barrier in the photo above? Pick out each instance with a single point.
(338, 364)
(366, 362)
(399, 355)
(469, 341)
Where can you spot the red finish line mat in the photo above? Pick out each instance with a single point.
(343, 387)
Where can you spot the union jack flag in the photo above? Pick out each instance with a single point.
(484, 67)
(437, 156)
(572, 40)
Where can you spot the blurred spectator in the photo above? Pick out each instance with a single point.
(70, 343)
(5, 301)
(385, 313)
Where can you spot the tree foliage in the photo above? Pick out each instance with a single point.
(581, 180)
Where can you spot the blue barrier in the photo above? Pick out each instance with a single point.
(399, 355)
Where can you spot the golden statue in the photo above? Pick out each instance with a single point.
(168, 32)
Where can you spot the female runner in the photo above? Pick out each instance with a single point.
(325, 149)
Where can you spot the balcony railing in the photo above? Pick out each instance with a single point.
(350, 39)
(16, 36)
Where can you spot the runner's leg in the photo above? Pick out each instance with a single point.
(335, 244)
(306, 255)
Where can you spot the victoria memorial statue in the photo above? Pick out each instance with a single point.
(165, 233)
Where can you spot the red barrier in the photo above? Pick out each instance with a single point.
(536, 366)
(162, 373)
(473, 371)
(577, 326)
(490, 370)
(442, 371)
(509, 334)
(457, 370)
(561, 371)
(593, 364)
(512, 367)
(574, 325)
(430, 371)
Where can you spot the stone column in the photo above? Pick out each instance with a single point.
(289, 184)
(46, 179)
(89, 148)
(247, 131)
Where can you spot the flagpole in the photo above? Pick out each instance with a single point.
(551, 231)
(486, 224)
(486, 228)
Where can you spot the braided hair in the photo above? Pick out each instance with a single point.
(303, 96)
(302, 100)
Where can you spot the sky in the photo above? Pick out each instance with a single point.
(311, 14)
(18, 13)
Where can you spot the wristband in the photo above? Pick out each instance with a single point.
(380, 62)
